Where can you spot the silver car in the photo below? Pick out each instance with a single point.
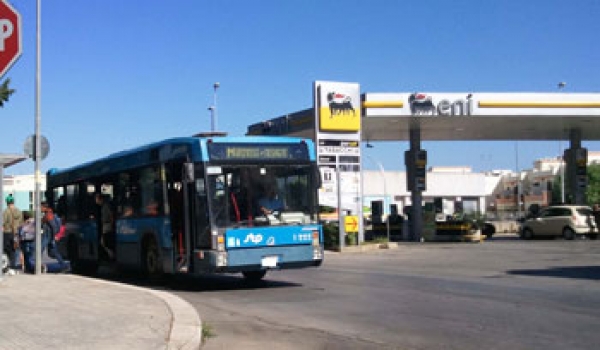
(566, 220)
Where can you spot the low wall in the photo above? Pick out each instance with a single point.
(506, 226)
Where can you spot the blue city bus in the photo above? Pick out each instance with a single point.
(191, 205)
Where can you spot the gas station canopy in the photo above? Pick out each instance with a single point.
(480, 116)
(460, 116)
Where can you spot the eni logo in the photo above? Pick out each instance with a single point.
(253, 238)
(423, 104)
(340, 104)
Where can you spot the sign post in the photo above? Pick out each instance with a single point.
(10, 36)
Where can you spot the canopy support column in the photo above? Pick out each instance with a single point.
(416, 216)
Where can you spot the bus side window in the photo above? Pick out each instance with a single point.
(151, 191)
(71, 201)
(86, 195)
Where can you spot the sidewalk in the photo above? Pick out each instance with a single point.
(62, 311)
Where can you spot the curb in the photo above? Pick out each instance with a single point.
(186, 325)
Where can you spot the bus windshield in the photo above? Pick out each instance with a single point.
(251, 195)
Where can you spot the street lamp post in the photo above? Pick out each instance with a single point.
(519, 192)
(213, 108)
(212, 118)
(561, 86)
(37, 154)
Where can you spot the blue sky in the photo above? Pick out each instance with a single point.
(118, 74)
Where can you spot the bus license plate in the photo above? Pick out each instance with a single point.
(270, 261)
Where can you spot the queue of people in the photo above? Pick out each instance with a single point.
(19, 237)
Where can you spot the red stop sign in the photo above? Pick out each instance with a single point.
(10, 36)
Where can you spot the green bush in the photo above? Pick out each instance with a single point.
(331, 235)
(351, 239)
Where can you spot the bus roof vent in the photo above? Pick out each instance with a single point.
(211, 134)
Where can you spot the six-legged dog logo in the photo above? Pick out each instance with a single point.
(340, 104)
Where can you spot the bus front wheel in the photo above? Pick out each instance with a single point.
(254, 276)
(151, 260)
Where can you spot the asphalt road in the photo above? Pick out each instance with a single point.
(500, 294)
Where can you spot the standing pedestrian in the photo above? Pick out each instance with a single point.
(27, 243)
(12, 219)
(50, 227)
(106, 225)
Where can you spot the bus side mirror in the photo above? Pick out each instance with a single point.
(188, 172)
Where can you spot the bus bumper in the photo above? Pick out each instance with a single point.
(267, 258)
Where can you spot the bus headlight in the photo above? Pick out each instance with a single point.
(222, 259)
(317, 251)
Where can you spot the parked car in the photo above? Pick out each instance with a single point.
(566, 220)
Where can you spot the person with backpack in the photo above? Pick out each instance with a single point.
(50, 227)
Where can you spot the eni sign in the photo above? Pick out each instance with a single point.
(338, 106)
(424, 104)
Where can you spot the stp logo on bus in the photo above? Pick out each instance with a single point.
(253, 238)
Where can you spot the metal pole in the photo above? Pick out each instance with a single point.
(1, 215)
(561, 154)
(341, 216)
(214, 118)
(561, 167)
(37, 155)
(518, 179)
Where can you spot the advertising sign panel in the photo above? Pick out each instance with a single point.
(338, 106)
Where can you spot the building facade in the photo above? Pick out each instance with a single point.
(501, 193)
(22, 188)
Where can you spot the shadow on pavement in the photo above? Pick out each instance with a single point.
(202, 283)
(575, 272)
(214, 283)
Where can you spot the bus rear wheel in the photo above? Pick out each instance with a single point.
(254, 276)
(151, 260)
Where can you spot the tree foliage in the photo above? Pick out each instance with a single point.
(5, 92)
(593, 189)
(557, 191)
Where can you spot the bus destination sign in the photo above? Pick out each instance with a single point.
(254, 152)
